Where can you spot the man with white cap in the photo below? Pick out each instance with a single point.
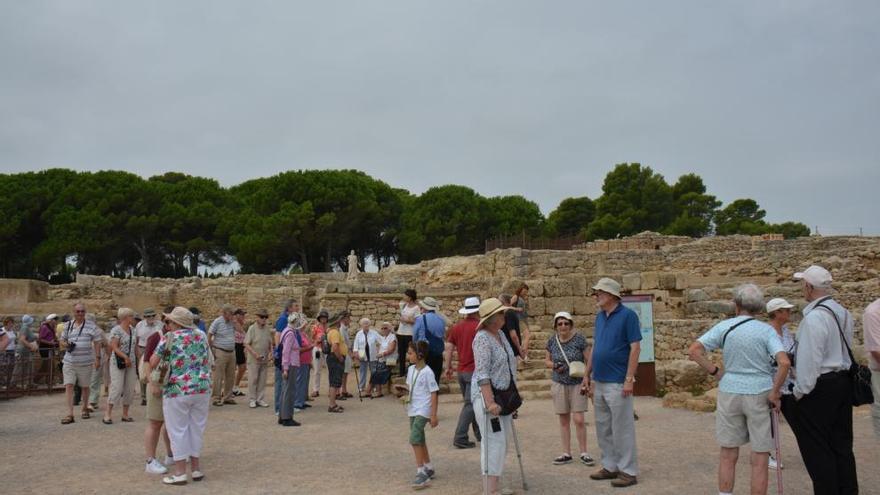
(611, 375)
(461, 339)
(431, 327)
(822, 387)
(871, 328)
(778, 315)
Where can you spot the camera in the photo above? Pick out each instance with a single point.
(71, 346)
(559, 366)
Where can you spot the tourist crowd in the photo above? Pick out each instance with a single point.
(180, 367)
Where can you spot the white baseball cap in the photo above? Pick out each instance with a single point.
(471, 305)
(778, 303)
(51, 316)
(816, 276)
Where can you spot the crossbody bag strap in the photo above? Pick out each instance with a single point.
(839, 330)
(724, 339)
(562, 351)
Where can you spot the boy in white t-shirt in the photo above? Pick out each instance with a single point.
(421, 396)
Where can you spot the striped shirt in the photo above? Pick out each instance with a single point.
(224, 334)
(83, 335)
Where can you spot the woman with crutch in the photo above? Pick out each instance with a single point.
(494, 364)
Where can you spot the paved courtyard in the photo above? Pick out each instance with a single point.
(364, 450)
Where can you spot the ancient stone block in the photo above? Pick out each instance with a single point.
(556, 304)
(557, 287)
(667, 280)
(632, 281)
(681, 281)
(650, 280)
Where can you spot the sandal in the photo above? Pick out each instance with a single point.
(198, 476)
(128, 420)
(86, 414)
(347, 395)
(175, 480)
(67, 420)
(107, 421)
(341, 397)
(563, 459)
(335, 409)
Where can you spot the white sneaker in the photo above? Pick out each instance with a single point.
(262, 403)
(296, 409)
(774, 464)
(155, 467)
(253, 404)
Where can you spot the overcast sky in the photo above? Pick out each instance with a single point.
(777, 101)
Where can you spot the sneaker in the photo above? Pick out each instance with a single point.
(774, 464)
(262, 403)
(563, 459)
(252, 404)
(464, 445)
(624, 480)
(422, 481)
(307, 405)
(155, 467)
(175, 480)
(586, 459)
(296, 410)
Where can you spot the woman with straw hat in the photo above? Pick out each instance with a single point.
(494, 363)
(186, 391)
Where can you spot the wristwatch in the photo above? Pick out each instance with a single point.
(630, 379)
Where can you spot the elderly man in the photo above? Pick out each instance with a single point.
(82, 339)
(431, 327)
(871, 326)
(460, 339)
(611, 376)
(822, 387)
(747, 388)
(144, 330)
(221, 338)
(291, 307)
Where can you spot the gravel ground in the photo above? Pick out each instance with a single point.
(365, 450)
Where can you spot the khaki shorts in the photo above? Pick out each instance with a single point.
(567, 398)
(78, 374)
(742, 419)
(154, 407)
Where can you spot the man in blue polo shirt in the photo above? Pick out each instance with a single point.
(612, 364)
(431, 327)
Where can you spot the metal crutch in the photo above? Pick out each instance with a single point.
(518, 455)
(774, 429)
(485, 448)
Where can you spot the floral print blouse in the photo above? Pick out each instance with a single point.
(189, 371)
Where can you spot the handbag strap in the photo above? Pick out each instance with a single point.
(558, 343)
(852, 358)
(507, 360)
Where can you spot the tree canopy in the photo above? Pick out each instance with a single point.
(58, 221)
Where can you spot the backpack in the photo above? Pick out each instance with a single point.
(436, 345)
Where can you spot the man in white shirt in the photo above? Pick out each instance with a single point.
(144, 330)
(871, 326)
(822, 387)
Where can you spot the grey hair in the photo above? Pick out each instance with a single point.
(124, 312)
(288, 304)
(364, 320)
(749, 298)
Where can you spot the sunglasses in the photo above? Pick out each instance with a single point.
(79, 312)
(563, 323)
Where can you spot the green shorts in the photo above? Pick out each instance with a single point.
(417, 430)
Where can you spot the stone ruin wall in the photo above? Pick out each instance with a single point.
(691, 283)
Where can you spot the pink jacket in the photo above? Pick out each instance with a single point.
(290, 350)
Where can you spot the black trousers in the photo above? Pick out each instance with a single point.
(823, 427)
(402, 346)
(435, 362)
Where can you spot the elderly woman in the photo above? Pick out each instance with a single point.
(494, 363)
(26, 351)
(568, 346)
(186, 393)
(366, 352)
(123, 377)
(387, 352)
(779, 315)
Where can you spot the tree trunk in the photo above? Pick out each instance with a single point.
(304, 261)
(141, 248)
(194, 264)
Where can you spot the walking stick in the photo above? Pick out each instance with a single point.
(518, 455)
(774, 429)
(484, 446)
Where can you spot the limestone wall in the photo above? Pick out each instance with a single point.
(691, 283)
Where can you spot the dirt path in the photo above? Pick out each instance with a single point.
(364, 450)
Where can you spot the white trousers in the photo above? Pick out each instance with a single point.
(317, 365)
(122, 384)
(494, 441)
(185, 420)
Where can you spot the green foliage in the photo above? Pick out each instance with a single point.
(694, 209)
(572, 216)
(743, 216)
(790, 229)
(634, 199)
(443, 221)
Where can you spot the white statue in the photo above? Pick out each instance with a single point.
(352, 265)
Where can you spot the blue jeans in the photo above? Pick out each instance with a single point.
(302, 386)
(278, 385)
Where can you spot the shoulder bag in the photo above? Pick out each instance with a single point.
(859, 375)
(509, 399)
(576, 369)
(159, 376)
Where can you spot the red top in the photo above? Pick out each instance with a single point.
(462, 337)
(152, 342)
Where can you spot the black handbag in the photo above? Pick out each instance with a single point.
(859, 375)
(120, 363)
(509, 398)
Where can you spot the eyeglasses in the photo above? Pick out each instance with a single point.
(80, 311)
(563, 324)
